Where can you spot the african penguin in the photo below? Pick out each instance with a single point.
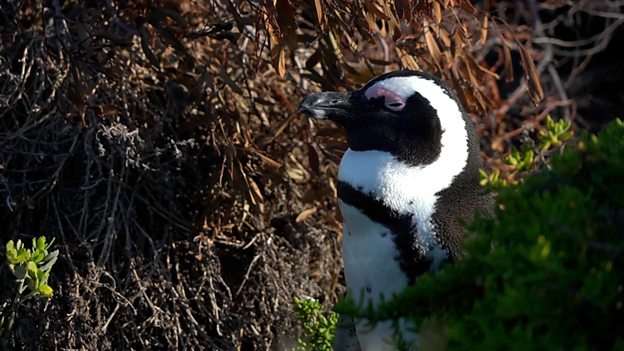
(406, 184)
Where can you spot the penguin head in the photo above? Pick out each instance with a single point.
(406, 113)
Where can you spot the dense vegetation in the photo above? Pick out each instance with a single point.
(318, 327)
(546, 272)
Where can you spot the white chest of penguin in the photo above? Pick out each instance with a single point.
(371, 270)
(370, 253)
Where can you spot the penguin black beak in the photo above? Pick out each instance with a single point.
(331, 105)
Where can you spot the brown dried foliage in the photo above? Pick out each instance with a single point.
(159, 143)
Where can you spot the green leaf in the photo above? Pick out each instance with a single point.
(19, 271)
(23, 255)
(32, 269)
(49, 260)
(45, 290)
(11, 252)
(42, 277)
(40, 249)
(41, 244)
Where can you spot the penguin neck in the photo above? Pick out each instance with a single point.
(401, 187)
(404, 190)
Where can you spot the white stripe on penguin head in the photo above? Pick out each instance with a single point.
(454, 141)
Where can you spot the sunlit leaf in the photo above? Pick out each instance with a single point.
(11, 252)
(305, 214)
(319, 12)
(484, 30)
(45, 290)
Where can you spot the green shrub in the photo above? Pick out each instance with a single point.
(318, 327)
(551, 138)
(31, 268)
(546, 272)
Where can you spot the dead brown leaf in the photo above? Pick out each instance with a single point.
(305, 214)
(484, 30)
(437, 12)
(319, 12)
(536, 91)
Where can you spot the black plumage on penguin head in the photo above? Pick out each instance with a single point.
(387, 114)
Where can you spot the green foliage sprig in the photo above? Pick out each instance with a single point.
(318, 327)
(492, 179)
(31, 268)
(555, 134)
(520, 162)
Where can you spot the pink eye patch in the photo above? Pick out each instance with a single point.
(392, 100)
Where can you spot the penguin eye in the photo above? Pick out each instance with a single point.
(391, 100)
(395, 105)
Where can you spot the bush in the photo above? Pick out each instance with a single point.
(31, 269)
(547, 272)
(318, 327)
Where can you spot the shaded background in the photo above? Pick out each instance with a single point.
(158, 142)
